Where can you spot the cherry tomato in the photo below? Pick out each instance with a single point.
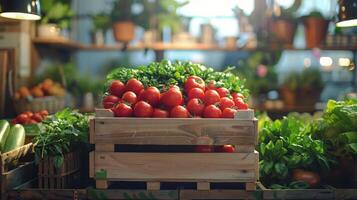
(179, 112)
(196, 93)
(212, 111)
(212, 85)
(228, 113)
(134, 85)
(44, 112)
(223, 92)
(117, 88)
(129, 97)
(22, 118)
(151, 95)
(31, 121)
(236, 95)
(226, 148)
(194, 82)
(160, 113)
(109, 101)
(240, 104)
(195, 107)
(14, 121)
(28, 113)
(226, 102)
(37, 117)
(123, 110)
(172, 98)
(204, 148)
(143, 109)
(212, 97)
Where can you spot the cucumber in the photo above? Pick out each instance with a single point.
(15, 139)
(4, 132)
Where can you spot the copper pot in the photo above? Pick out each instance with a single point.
(284, 31)
(315, 31)
(124, 31)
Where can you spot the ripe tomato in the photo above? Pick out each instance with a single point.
(44, 112)
(31, 121)
(228, 113)
(212, 111)
(194, 82)
(109, 101)
(151, 95)
(122, 110)
(240, 104)
(226, 148)
(160, 113)
(212, 97)
(195, 106)
(212, 85)
(28, 113)
(22, 118)
(204, 148)
(223, 92)
(143, 109)
(196, 93)
(236, 95)
(37, 117)
(117, 88)
(226, 102)
(14, 121)
(172, 98)
(134, 85)
(129, 97)
(179, 112)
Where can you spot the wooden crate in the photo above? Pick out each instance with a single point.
(107, 132)
(16, 167)
(66, 176)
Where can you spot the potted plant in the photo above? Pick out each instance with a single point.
(315, 29)
(56, 17)
(123, 21)
(101, 23)
(288, 90)
(284, 24)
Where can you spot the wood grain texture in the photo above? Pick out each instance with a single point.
(194, 167)
(174, 131)
(203, 186)
(220, 194)
(132, 194)
(299, 194)
(153, 185)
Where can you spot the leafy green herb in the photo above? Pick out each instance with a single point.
(60, 134)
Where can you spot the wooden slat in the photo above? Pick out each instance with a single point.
(101, 184)
(250, 186)
(91, 164)
(299, 194)
(203, 186)
(91, 131)
(174, 131)
(220, 194)
(39, 194)
(153, 185)
(210, 167)
(132, 194)
(16, 154)
(104, 147)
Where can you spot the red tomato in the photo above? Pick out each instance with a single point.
(28, 113)
(134, 85)
(236, 95)
(151, 95)
(179, 112)
(31, 121)
(212, 85)
(226, 148)
(228, 113)
(14, 121)
(143, 109)
(160, 113)
(194, 82)
(117, 88)
(226, 102)
(129, 97)
(109, 101)
(212, 111)
(196, 93)
(212, 97)
(223, 92)
(22, 118)
(240, 104)
(44, 113)
(172, 98)
(37, 117)
(122, 110)
(204, 148)
(195, 107)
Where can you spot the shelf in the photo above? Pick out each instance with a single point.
(286, 109)
(64, 43)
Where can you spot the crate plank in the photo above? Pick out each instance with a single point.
(174, 131)
(299, 194)
(211, 167)
(39, 194)
(220, 194)
(132, 194)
